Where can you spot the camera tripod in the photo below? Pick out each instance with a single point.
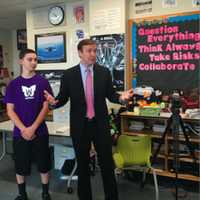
(174, 122)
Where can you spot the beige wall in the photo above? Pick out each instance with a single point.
(68, 26)
(6, 42)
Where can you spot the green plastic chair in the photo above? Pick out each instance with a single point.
(133, 153)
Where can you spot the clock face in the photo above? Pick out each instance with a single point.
(56, 15)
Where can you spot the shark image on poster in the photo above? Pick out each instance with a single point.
(110, 53)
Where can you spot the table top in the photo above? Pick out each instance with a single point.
(162, 116)
(55, 128)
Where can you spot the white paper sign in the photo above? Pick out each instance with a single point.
(106, 19)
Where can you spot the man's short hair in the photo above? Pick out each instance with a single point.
(23, 52)
(84, 43)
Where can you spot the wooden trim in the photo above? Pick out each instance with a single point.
(129, 69)
(190, 160)
(180, 176)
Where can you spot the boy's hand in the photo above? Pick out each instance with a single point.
(24, 135)
(51, 100)
(28, 133)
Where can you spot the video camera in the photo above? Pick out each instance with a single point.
(176, 102)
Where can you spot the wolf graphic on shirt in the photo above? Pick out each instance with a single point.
(29, 91)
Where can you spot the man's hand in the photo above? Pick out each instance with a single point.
(126, 95)
(51, 100)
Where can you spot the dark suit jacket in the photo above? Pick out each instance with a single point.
(72, 88)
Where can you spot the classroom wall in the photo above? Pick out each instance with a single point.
(36, 26)
(95, 10)
(6, 42)
(37, 23)
(8, 38)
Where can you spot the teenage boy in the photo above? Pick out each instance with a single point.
(27, 108)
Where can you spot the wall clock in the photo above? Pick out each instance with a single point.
(56, 15)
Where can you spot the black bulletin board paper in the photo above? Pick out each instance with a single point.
(166, 54)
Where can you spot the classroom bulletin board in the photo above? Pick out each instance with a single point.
(164, 52)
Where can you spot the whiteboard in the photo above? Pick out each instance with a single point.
(60, 114)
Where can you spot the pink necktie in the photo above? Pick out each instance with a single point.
(89, 95)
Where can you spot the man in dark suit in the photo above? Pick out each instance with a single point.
(87, 85)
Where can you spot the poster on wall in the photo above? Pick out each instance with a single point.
(51, 75)
(1, 56)
(196, 3)
(143, 6)
(169, 3)
(79, 14)
(106, 20)
(110, 53)
(51, 48)
(21, 39)
(166, 55)
(80, 34)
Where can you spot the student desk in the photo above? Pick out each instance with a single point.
(55, 129)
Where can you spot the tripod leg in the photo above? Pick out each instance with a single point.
(175, 134)
(189, 145)
(169, 121)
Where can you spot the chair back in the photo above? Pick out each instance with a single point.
(135, 150)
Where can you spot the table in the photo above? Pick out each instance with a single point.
(55, 129)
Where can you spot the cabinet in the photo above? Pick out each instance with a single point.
(163, 164)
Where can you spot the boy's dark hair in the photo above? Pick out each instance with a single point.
(23, 52)
(84, 43)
